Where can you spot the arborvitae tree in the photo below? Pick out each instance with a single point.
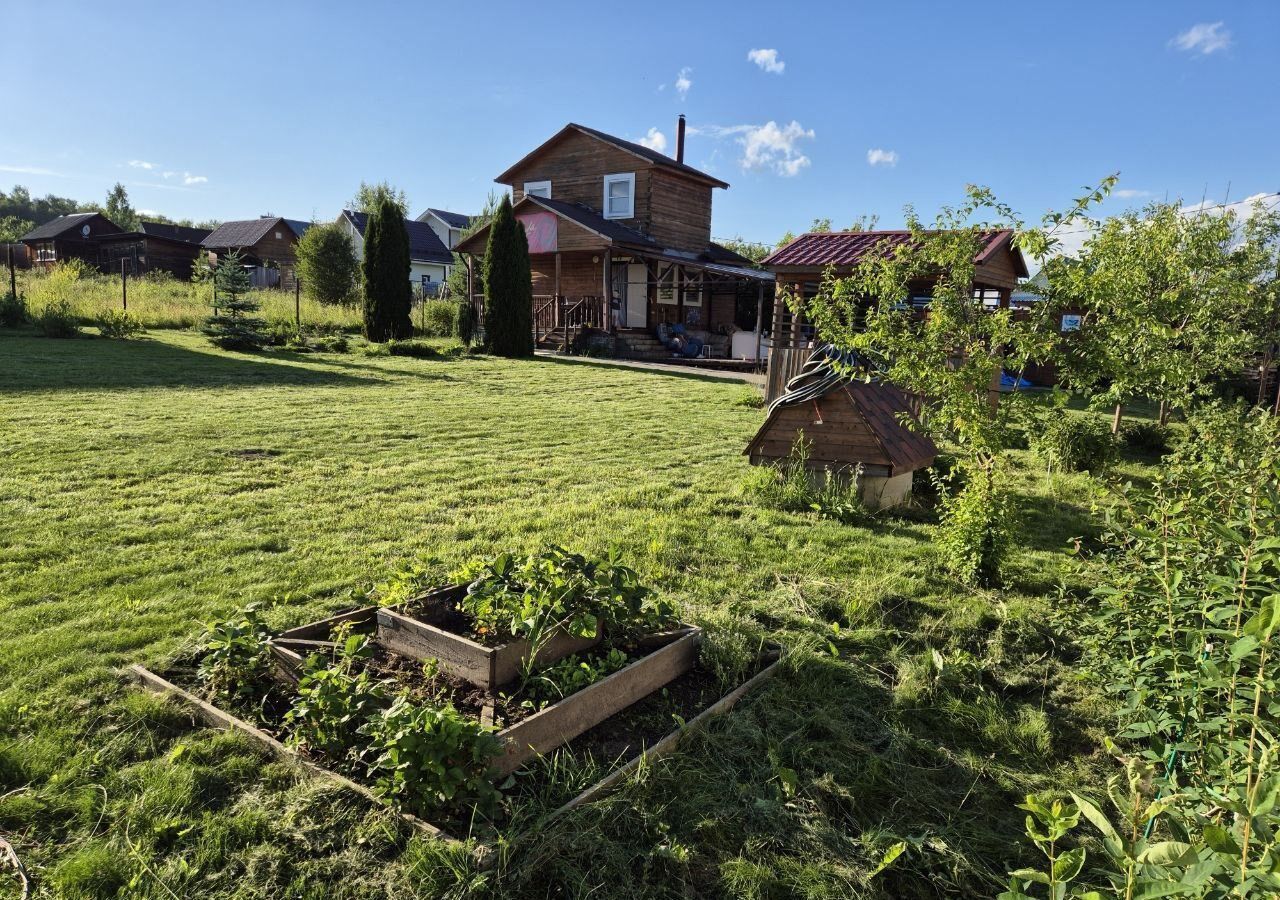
(508, 289)
(388, 295)
(233, 325)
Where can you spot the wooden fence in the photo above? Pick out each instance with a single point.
(785, 363)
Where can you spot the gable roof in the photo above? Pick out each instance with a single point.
(452, 219)
(643, 152)
(424, 244)
(879, 406)
(242, 233)
(174, 232)
(61, 225)
(845, 249)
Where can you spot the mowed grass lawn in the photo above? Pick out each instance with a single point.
(151, 486)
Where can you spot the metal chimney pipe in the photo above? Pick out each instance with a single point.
(680, 139)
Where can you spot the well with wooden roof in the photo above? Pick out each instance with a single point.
(849, 421)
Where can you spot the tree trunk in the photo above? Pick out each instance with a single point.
(1115, 421)
(1164, 412)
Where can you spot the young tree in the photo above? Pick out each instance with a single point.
(369, 198)
(456, 283)
(508, 287)
(234, 325)
(388, 296)
(1166, 300)
(953, 356)
(327, 264)
(119, 210)
(12, 229)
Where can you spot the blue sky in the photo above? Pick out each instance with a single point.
(234, 110)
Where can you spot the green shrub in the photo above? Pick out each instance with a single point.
(974, 535)
(335, 700)
(13, 311)
(333, 343)
(1146, 437)
(572, 674)
(425, 758)
(57, 320)
(116, 323)
(792, 486)
(1076, 443)
(235, 654)
(464, 320)
(438, 318)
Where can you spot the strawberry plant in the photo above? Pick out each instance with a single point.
(235, 655)
(572, 674)
(335, 698)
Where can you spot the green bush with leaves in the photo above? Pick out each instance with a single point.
(1075, 443)
(974, 535)
(327, 264)
(57, 320)
(437, 318)
(234, 654)
(1146, 437)
(793, 486)
(531, 596)
(336, 698)
(572, 674)
(115, 323)
(13, 310)
(425, 758)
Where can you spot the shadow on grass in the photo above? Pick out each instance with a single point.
(668, 370)
(32, 363)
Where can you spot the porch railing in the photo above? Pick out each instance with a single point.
(560, 317)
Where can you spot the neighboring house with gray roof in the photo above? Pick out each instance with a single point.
(68, 237)
(448, 226)
(429, 258)
(267, 244)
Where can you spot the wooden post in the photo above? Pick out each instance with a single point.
(13, 279)
(1115, 421)
(297, 301)
(471, 290)
(607, 269)
(759, 320)
(1164, 412)
(124, 286)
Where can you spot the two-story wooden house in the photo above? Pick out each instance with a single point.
(620, 241)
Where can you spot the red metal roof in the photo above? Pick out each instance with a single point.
(845, 249)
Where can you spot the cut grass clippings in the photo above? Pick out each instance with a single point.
(153, 485)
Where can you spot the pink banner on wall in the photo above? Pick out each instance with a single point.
(540, 228)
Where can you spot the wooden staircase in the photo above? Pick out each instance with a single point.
(641, 345)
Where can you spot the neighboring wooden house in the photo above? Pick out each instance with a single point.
(429, 258)
(799, 267)
(68, 237)
(268, 245)
(848, 424)
(620, 242)
(154, 247)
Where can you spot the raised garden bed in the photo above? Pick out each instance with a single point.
(667, 660)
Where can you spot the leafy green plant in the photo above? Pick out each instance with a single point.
(437, 318)
(114, 323)
(336, 698)
(531, 596)
(793, 486)
(333, 343)
(13, 310)
(974, 535)
(1146, 437)
(1075, 443)
(235, 656)
(429, 757)
(572, 674)
(57, 320)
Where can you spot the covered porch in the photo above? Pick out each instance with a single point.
(600, 285)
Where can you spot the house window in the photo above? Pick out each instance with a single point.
(538, 189)
(46, 253)
(279, 236)
(620, 196)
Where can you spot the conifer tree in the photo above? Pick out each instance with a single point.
(388, 296)
(508, 310)
(233, 325)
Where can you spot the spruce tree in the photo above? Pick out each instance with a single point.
(508, 289)
(233, 325)
(388, 296)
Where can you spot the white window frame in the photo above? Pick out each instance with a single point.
(532, 187)
(628, 178)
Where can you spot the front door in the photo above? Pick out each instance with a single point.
(637, 296)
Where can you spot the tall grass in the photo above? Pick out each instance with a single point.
(159, 300)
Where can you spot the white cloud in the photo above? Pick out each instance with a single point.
(767, 146)
(683, 81)
(1130, 194)
(142, 164)
(655, 140)
(1203, 38)
(767, 60)
(878, 157)
(30, 170)
(168, 174)
(189, 179)
(1243, 209)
